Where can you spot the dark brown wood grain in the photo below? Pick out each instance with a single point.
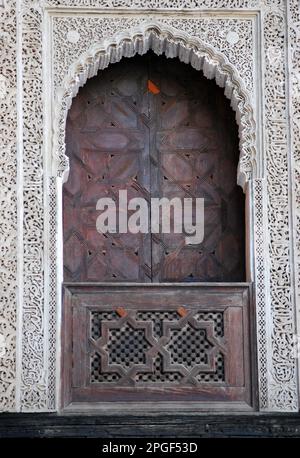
(181, 142)
(231, 301)
(148, 318)
(146, 425)
(107, 141)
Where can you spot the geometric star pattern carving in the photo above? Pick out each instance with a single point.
(189, 349)
(157, 342)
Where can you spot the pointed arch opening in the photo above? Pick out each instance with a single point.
(151, 320)
(153, 128)
(161, 39)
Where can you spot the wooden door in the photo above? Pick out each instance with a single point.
(107, 141)
(179, 142)
(158, 330)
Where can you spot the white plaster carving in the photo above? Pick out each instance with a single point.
(88, 64)
(146, 4)
(271, 195)
(277, 381)
(212, 30)
(2, 346)
(161, 39)
(34, 333)
(261, 284)
(282, 365)
(294, 42)
(8, 205)
(274, 55)
(3, 87)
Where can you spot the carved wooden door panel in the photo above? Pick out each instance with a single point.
(194, 153)
(107, 142)
(139, 323)
(157, 342)
(180, 141)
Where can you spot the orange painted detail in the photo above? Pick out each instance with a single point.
(153, 88)
(121, 311)
(182, 311)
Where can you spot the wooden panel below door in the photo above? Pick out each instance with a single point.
(156, 343)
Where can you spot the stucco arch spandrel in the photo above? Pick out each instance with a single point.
(173, 43)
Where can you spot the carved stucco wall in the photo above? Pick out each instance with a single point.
(8, 204)
(174, 38)
(259, 39)
(294, 105)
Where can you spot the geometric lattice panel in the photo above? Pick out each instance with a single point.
(163, 342)
(177, 349)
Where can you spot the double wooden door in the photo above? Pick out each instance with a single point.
(155, 128)
(140, 323)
